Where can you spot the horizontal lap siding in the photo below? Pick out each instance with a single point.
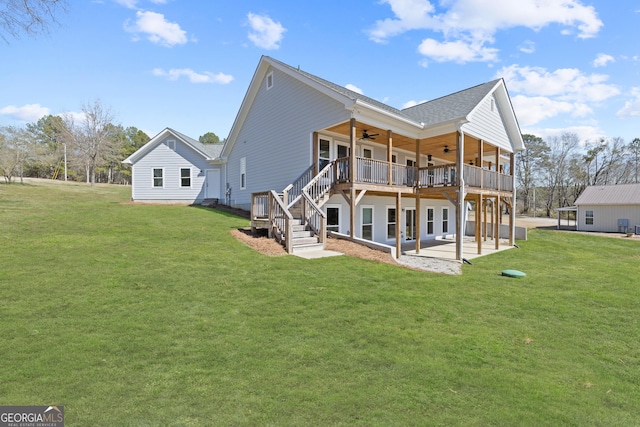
(605, 217)
(171, 161)
(489, 125)
(275, 137)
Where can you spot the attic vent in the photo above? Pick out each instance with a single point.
(493, 105)
(270, 80)
(171, 143)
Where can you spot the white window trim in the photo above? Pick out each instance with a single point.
(387, 223)
(446, 208)
(243, 171)
(164, 177)
(373, 221)
(426, 221)
(190, 177)
(367, 147)
(339, 207)
(586, 216)
(269, 80)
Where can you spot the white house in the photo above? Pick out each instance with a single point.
(308, 157)
(609, 208)
(173, 168)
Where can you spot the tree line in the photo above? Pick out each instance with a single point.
(554, 172)
(86, 147)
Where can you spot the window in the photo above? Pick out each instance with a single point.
(367, 223)
(270, 80)
(588, 217)
(185, 177)
(445, 220)
(324, 153)
(410, 224)
(429, 220)
(157, 177)
(243, 173)
(391, 223)
(333, 218)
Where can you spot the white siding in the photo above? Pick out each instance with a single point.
(276, 135)
(489, 125)
(163, 156)
(380, 205)
(605, 217)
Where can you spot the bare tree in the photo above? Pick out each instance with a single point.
(562, 149)
(14, 151)
(91, 138)
(529, 165)
(31, 17)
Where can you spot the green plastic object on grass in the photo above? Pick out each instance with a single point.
(513, 273)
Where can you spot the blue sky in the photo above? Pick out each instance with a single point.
(569, 65)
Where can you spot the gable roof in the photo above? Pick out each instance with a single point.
(207, 151)
(622, 194)
(448, 109)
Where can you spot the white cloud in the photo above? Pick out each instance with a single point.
(527, 47)
(543, 94)
(26, 113)
(457, 51)
(632, 107)
(205, 77)
(602, 60)
(157, 29)
(356, 89)
(411, 103)
(565, 83)
(585, 133)
(473, 23)
(129, 4)
(265, 33)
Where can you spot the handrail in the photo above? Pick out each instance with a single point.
(315, 190)
(293, 192)
(281, 219)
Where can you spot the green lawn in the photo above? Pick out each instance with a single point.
(139, 315)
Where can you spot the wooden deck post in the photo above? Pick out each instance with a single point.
(352, 177)
(485, 207)
(460, 213)
(390, 156)
(512, 210)
(398, 225)
(316, 152)
(496, 226)
(418, 216)
(479, 223)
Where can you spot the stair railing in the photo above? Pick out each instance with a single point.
(281, 226)
(293, 192)
(312, 193)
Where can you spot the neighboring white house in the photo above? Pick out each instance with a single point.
(609, 208)
(173, 168)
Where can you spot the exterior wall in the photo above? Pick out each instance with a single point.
(171, 160)
(276, 137)
(605, 217)
(380, 205)
(489, 125)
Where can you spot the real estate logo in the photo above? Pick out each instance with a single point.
(31, 416)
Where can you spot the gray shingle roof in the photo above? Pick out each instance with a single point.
(451, 107)
(623, 194)
(211, 150)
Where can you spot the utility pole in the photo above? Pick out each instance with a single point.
(65, 161)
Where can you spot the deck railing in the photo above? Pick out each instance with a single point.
(312, 194)
(281, 220)
(438, 176)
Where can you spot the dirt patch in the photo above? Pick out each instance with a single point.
(266, 246)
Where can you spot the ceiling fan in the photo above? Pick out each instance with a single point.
(370, 136)
(447, 149)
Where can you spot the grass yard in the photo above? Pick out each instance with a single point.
(140, 315)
